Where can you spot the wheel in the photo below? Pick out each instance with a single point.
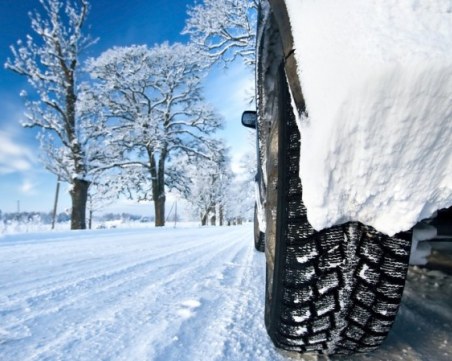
(259, 237)
(336, 291)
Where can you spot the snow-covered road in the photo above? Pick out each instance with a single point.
(170, 294)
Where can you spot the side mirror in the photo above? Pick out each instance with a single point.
(249, 119)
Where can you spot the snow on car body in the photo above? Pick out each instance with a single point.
(377, 82)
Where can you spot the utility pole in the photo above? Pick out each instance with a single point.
(55, 205)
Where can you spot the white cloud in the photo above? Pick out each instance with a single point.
(27, 187)
(14, 157)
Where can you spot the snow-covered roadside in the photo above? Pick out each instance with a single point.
(170, 294)
(21, 228)
(377, 80)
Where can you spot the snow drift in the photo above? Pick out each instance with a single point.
(377, 137)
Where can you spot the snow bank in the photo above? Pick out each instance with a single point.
(377, 80)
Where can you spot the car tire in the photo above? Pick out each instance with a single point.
(334, 291)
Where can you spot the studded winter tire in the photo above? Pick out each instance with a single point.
(336, 291)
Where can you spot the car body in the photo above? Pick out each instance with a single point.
(337, 260)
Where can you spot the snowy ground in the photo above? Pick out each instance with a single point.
(170, 294)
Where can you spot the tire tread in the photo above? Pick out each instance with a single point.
(339, 289)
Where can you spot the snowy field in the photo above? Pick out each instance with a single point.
(170, 294)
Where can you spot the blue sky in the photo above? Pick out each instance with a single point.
(23, 179)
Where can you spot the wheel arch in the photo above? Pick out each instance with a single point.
(282, 19)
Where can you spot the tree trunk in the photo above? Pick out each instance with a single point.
(158, 185)
(221, 215)
(158, 194)
(90, 222)
(79, 195)
(204, 219)
(159, 207)
(213, 219)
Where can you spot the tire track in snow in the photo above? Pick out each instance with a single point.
(100, 321)
(59, 279)
(228, 321)
(177, 318)
(216, 295)
(103, 279)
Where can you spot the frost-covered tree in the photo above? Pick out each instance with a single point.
(151, 98)
(102, 192)
(209, 185)
(224, 29)
(238, 203)
(50, 61)
(239, 200)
